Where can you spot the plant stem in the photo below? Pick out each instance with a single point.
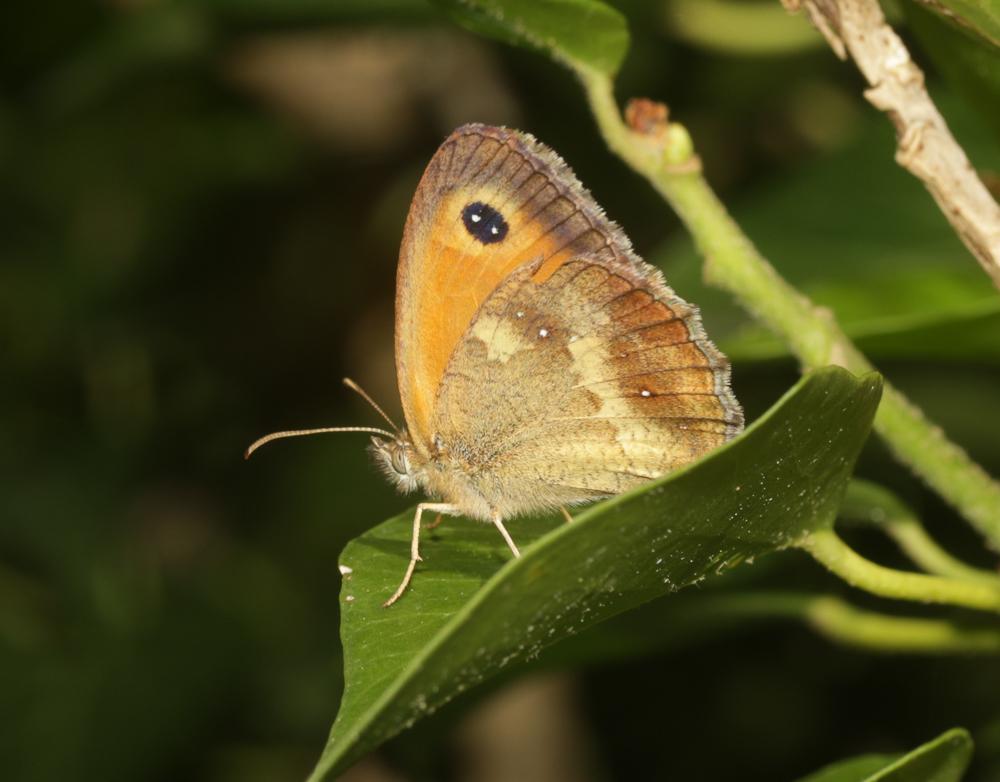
(876, 505)
(925, 146)
(734, 264)
(846, 624)
(911, 537)
(681, 620)
(840, 622)
(828, 549)
(828, 615)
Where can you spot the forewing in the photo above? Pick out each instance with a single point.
(490, 200)
(580, 382)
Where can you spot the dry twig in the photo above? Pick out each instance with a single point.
(925, 146)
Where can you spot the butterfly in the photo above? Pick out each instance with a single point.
(541, 363)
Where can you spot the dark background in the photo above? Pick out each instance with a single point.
(200, 210)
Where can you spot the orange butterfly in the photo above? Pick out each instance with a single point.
(541, 363)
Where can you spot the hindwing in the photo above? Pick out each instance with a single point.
(578, 383)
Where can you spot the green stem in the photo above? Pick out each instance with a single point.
(840, 622)
(848, 625)
(873, 504)
(924, 551)
(827, 548)
(682, 620)
(831, 617)
(734, 264)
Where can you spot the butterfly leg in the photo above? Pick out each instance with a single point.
(498, 523)
(440, 507)
(565, 513)
(436, 523)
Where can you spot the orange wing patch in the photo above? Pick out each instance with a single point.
(448, 267)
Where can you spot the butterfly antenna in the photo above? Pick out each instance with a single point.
(364, 395)
(302, 432)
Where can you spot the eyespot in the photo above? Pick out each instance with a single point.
(484, 222)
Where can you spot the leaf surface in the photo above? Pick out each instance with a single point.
(472, 611)
(943, 759)
(583, 34)
(964, 56)
(981, 17)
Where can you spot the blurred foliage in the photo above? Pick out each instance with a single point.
(580, 33)
(736, 27)
(942, 760)
(201, 209)
(969, 61)
(979, 17)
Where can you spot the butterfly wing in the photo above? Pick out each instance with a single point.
(490, 200)
(578, 384)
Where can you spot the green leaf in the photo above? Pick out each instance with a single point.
(942, 760)
(853, 769)
(969, 63)
(981, 17)
(472, 611)
(582, 34)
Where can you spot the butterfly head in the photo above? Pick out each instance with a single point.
(399, 461)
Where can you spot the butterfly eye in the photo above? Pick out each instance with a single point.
(399, 461)
(484, 222)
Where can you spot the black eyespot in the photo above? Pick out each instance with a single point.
(484, 222)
